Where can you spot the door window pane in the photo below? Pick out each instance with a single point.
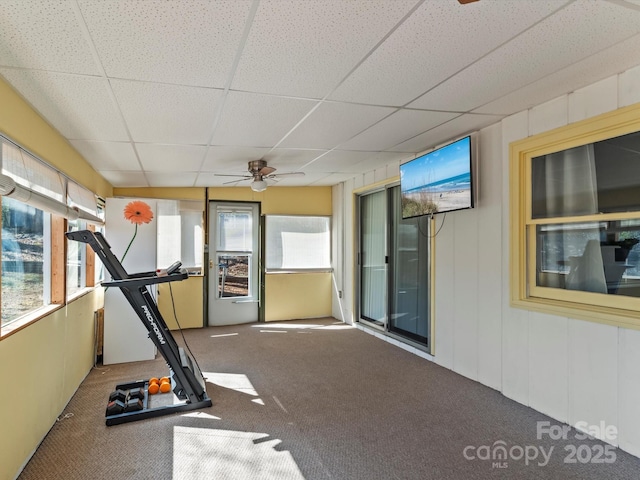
(235, 231)
(409, 264)
(233, 275)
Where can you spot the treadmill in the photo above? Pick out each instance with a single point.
(187, 381)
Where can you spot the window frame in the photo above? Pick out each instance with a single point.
(609, 309)
(57, 205)
(54, 267)
(272, 270)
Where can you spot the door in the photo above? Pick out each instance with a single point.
(234, 266)
(409, 279)
(394, 268)
(373, 258)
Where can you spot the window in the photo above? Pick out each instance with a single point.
(297, 243)
(180, 233)
(576, 219)
(38, 199)
(76, 261)
(394, 275)
(25, 259)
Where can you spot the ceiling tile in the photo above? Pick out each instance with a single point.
(191, 43)
(167, 158)
(44, 36)
(337, 161)
(574, 33)
(157, 113)
(437, 41)
(402, 125)
(334, 123)
(171, 179)
(333, 179)
(618, 58)
(79, 107)
(301, 181)
(382, 159)
(123, 178)
(457, 127)
(208, 179)
(305, 48)
(108, 155)
(291, 159)
(258, 120)
(231, 159)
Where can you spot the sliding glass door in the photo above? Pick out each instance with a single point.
(373, 258)
(409, 264)
(394, 268)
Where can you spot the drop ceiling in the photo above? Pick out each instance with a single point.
(172, 92)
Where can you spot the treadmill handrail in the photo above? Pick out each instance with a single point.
(141, 281)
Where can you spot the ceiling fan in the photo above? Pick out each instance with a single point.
(259, 173)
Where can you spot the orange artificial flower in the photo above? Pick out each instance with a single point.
(138, 212)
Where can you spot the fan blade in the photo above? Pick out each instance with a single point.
(287, 174)
(235, 181)
(266, 170)
(232, 175)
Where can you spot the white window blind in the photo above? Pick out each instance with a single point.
(298, 243)
(180, 233)
(29, 172)
(42, 186)
(81, 198)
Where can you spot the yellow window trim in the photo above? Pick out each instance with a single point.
(612, 310)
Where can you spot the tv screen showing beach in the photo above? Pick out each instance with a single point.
(438, 181)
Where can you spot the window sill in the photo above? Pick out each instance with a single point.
(26, 320)
(592, 313)
(80, 293)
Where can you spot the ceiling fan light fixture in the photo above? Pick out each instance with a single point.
(258, 185)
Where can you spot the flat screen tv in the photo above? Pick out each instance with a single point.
(439, 181)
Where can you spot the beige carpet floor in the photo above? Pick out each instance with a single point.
(315, 400)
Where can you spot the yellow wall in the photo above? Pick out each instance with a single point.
(23, 125)
(297, 295)
(287, 296)
(41, 367)
(188, 299)
(280, 200)
(173, 193)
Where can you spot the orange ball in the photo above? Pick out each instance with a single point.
(153, 388)
(165, 387)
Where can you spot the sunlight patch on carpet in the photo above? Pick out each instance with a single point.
(205, 454)
(232, 381)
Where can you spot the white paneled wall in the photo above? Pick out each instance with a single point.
(465, 286)
(515, 338)
(572, 370)
(629, 390)
(489, 252)
(444, 292)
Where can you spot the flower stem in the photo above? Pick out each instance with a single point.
(135, 232)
